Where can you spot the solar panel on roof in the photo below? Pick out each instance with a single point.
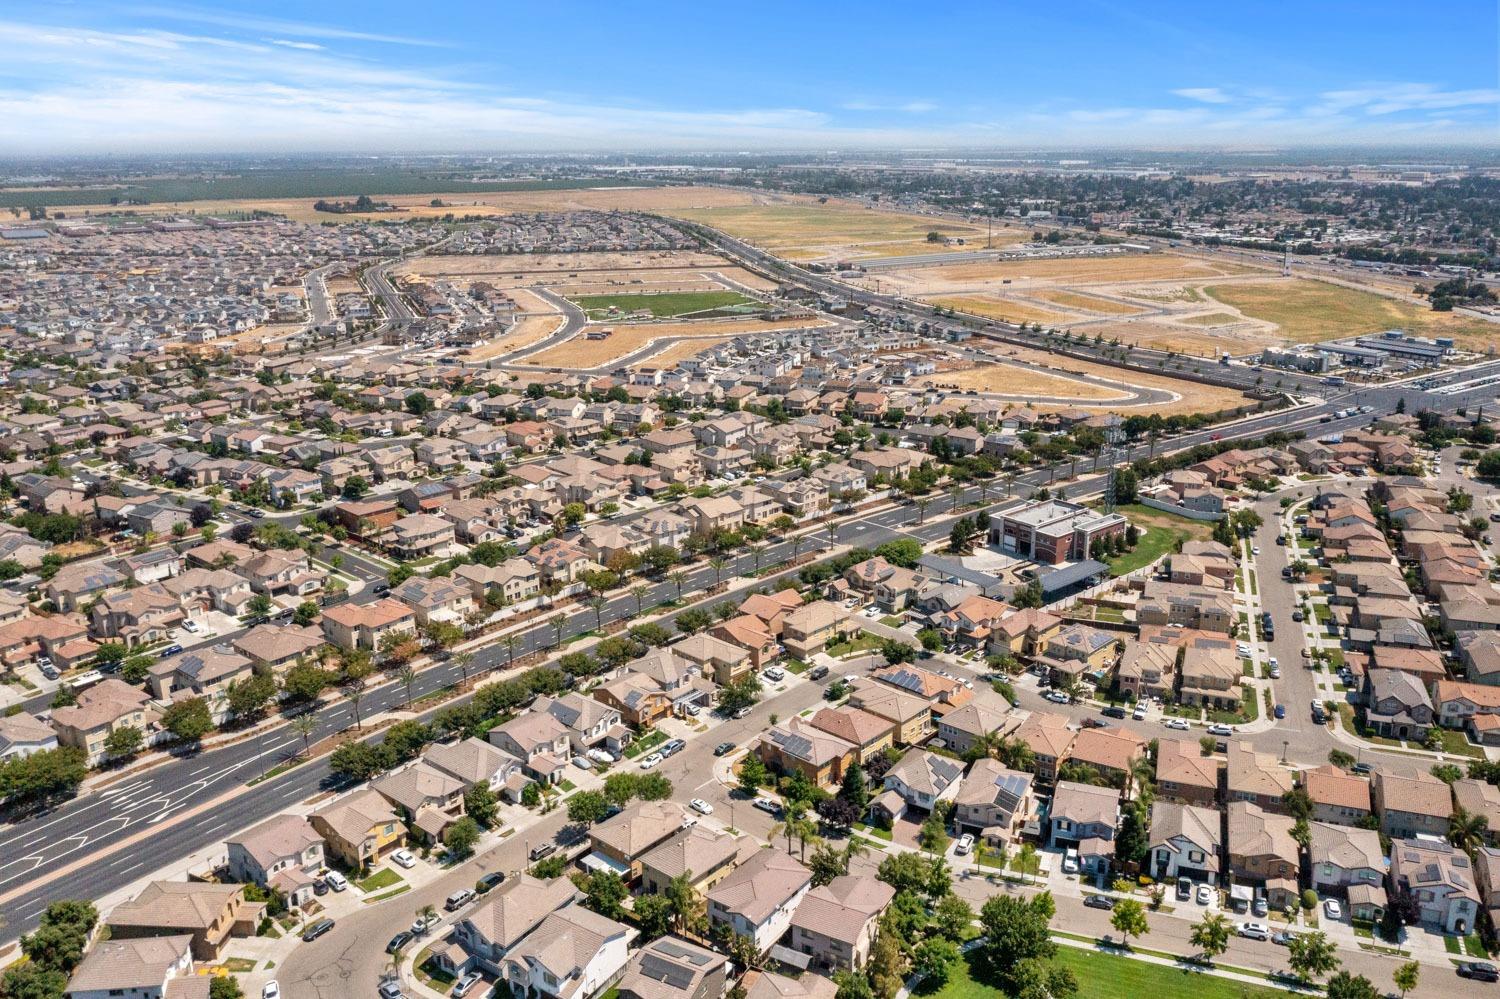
(697, 957)
(659, 969)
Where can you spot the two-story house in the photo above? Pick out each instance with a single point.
(758, 900)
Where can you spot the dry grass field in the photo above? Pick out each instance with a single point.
(1114, 275)
(419, 206)
(1208, 319)
(580, 352)
(1005, 309)
(527, 331)
(1161, 336)
(1011, 380)
(340, 284)
(802, 229)
(502, 265)
(1088, 303)
(1307, 311)
(1195, 397)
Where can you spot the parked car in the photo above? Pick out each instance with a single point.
(170, 650)
(601, 756)
(316, 930)
(320, 886)
(1139, 714)
(1099, 902)
(1220, 729)
(1281, 938)
(583, 762)
(1280, 711)
(1332, 909)
(766, 805)
(723, 748)
(1179, 724)
(424, 923)
(391, 989)
(672, 747)
(741, 712)
(489, 881)
(191, 627)
(1184, 890)
(398, 941)
(774, 673)
(1362, 768)
(1255, 931)
(1205, 893)
(965, 844)
(1275, 673)
(336, 881)
(652, 761)
(381, 589)
(404, 858)
(459, 899)
(541, 851)
(1259, 907)
(466, 984)
(270, 990)
(1297, 615)
(1479, 971)
(817, 672)
(1056, 697)
(1113, 711)
(701, 807)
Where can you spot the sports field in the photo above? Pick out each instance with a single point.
(1307, 311)
(663, 305)
(842, 230)
(581, 352)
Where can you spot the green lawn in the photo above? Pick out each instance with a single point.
(663, 304)
(650, 740)
(1457, 743)
(1106, 976)
(1160, 532)
(864, 643)
(383, 878)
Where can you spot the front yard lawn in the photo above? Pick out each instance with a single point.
(646, 742)
(383, 878)
(863, 643)
(1455, 742)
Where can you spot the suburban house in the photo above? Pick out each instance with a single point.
(1050, 738)
(911, 715)
(963, 728)
(1185, 842)
(574, 954)
(797, 745)
(208, 913)
(1441, 881)
(1255, 777)
(1262, 851)
(1347, 862)
(1418, 805)
(869, 734)
(364, 626)
(620, 842)
(836, 924)
(994, 802)
(1184, 774)
(701, 855)
(284, 853)
(923, 779)
(106, 707)
(1337, 796)
(359, 830)
(539, 741)
(429, 799)
(141, 968)
(759, 898)
(670, 967)
(1084, 817)
(488, 931)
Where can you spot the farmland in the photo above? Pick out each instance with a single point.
(663, 305)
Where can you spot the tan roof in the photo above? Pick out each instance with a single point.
(888, 702)
(413, 786)
(669, 967)
(640, 827)
(1254, 832)
(1478, 797)
(471, 760)
(275, 642)
(1250, 772)
(353, 817)
(761, 885)
(565, 943)
(140, 963)
(802, 741)
(1199, 826)
(843, 908)
(1085, 804)
(850, 724)
(814, 616)
(1183, 763)
(382, 612)
(1113, 748)
(1348, 847)
(1047, 734)
(178, 905)
(1328, 785)
(695, 851)
(1421, 794)
(518, 907)
(768, 985)
(277, 837)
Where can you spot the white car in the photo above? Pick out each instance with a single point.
(851, 678)
(1275, 673)
(1255, 931)
(191, 627)
(651, 761)
(601, 756)
(1205, 893)
(1255, 549)
(1056, 697)
(270, 990)
(1274, 663)
(1220, 730)
(1332, 909)
(1180, 724)
(774, 674)
(965, 844)
(1139, 713)
(404, 858)
(701, 807)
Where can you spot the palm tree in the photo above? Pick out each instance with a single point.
(407, 676)
(463, 660)
(956, 493)
(1466, 830)
(922, 502)
(304, 725)
(354, 693)
(719, 564)
(559, 622)
(678, 578)
(598, 604)
(510, 642)
(639, 591)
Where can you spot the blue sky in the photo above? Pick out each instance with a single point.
(509, 76)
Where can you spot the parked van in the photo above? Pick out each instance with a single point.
(459, 899)
(336, 881)
(542, 851)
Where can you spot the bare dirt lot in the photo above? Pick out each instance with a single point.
(1010, 379)
(527, 331)
(1087, 303)
(581, 352)
(1004, 309)
(1194, 397)
(1030, 276)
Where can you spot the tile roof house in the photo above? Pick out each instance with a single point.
(670, 967)
(145, 968)
(1084, 817)
(106, 707)
(1440, 879)
(1110, 751)
(923, 779)
(1185, 775)
(769, 985)
(870, 734)
(364, 626)
(1256, 777)
(1479, 797)
(1347, 862)
(836, 924)
(1397, 705)
(1185, 842)
(994, 802)
(208, 913)
(284, 852)
(1050, 738)
(701, 855)
(1261, 848)
(488, 931)
(539, 741)
(574, 954)
(1337, 796)
(758, 900)
(911, 715)
(360, 829)
(428, 799)
(1411, 806)
(620, 842)
(962, 728)
(796, 745)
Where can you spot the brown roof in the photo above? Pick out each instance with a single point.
(1328, 785)
(851, 724)
(178, 905)
(843, 908)
(761, 885)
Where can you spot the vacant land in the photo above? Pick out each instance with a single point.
(683, 349)
(1161, 532)
(527, 331)
(1208, 319)
(1009, 379)
(580, 352)
(1195, 397)
(1160, 336)
(479, 202)
(551, 264)
(1090, 303)
(664, 305)
(1308, 311)
(811, 231)
(1003, 309)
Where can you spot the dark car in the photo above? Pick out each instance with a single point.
(170, 650)
(1099, 902)
(320, 887)
(1113, 711)
(489, 881)
(381, 589)
(397, 942)
(1184, 889)
(316, 930)
(817, 672)
(723, 747)
(1480, 971)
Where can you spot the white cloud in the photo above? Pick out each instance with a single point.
(277, 26)
(289, 44)
(1391, 98)
(909, 107)
(1207, 95)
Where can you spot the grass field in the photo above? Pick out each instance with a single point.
(812, 231)
(1160, 532)
(1004, 309)
(1208, 319)
(1308, 311)
(581, 352)
(1072, 300)
(1106, 976)
(1016, 381)
(662, 305)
